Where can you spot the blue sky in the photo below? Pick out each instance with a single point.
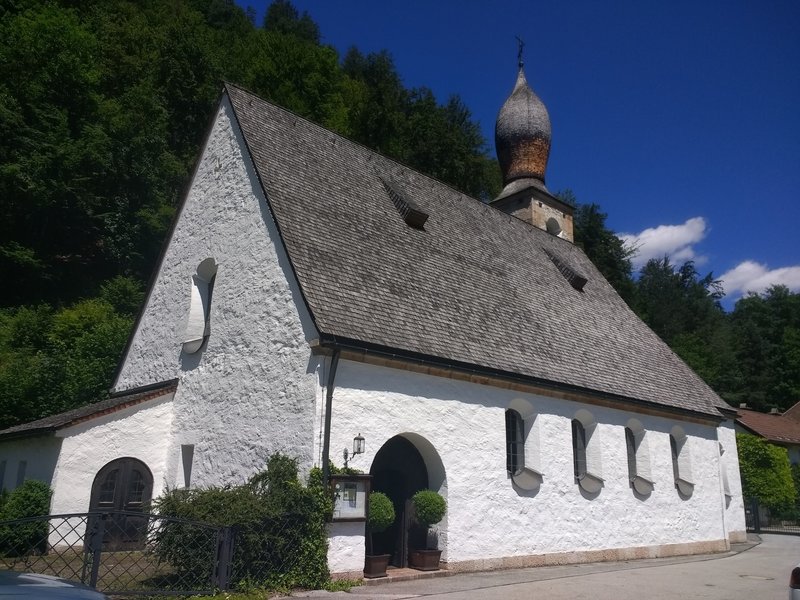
(681, 119)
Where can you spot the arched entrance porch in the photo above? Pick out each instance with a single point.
(404, 465)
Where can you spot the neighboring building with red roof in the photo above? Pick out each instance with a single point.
(782, 429)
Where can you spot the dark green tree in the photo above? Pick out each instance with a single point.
(607, 251)
(282, 17)
(767, 345)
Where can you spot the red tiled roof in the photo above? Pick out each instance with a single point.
(775, 428)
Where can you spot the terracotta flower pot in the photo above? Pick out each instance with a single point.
(424, 560)
(375, 565)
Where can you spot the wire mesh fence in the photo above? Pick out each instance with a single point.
(119, 552)
(131, 553)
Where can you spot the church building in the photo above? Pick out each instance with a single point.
(312, 291)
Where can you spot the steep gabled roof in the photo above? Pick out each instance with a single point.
(472, 285)
(91, 411)
(772, 427)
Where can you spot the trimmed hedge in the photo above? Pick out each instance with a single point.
(381, 512)
(429, 506)
(281, 538)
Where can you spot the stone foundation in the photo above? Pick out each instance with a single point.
(588, 556)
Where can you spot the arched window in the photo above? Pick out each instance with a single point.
(522, 445)
(630, 445)
(515, 442)
(578, 449)
(198, 326)
(681, 461)
(586, 456)
(638, 458)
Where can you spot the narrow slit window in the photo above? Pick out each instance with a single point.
(630, 443)
(21, 472)
(515, 442)
(681, 462)
(579, 448)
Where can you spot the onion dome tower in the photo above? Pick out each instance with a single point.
(522, 138)
(522, 134)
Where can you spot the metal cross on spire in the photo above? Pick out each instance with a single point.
(519, 52)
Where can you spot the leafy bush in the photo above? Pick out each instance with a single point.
(31, 499)
(765, 471)
(429, 506)
(281, 539)
(381, 512)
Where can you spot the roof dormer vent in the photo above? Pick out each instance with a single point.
(574, 278)
(412, 214)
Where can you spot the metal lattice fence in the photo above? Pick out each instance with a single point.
(120, 552)
(760, 519)
(132, 553)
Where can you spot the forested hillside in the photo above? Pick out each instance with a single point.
(103, 105)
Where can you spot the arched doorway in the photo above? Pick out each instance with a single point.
(124, 484)
(399, 471)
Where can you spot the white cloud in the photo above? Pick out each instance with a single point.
(750, 276)
(674, 241)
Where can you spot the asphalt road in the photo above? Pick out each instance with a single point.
(759, 573)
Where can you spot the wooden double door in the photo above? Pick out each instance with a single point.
(122, 490)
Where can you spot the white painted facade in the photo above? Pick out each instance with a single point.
(256, 387)
(250, 391)
(490, 518)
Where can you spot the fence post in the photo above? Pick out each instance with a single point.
(225, 545)
(95, 538)
(756, 514)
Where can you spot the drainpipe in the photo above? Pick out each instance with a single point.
(326, 439)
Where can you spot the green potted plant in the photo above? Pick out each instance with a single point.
(429, 509)
(379, 516)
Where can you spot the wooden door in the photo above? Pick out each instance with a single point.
(125, 484)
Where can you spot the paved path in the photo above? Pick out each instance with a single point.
(759, 573)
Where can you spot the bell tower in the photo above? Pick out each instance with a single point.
(522, 138)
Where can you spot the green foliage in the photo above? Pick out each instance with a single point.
(56, 360)
(765, 471)
(281, 535)
(381, 512)
(429, 507)
(31, 499)
(766, 343)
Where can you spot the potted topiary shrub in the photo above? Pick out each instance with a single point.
(379, 516)
(429, 509)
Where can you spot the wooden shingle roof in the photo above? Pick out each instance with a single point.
(473, 285)
(91, 411)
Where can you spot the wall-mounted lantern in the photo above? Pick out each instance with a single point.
(359, 446)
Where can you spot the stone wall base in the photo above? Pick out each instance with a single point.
(737, 536)
(348, 575)
(587, 556)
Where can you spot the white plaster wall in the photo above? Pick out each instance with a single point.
(735, 523)
(251, 390)
(487, 516)
(141, 431)
(346, 547)
(41, 454)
